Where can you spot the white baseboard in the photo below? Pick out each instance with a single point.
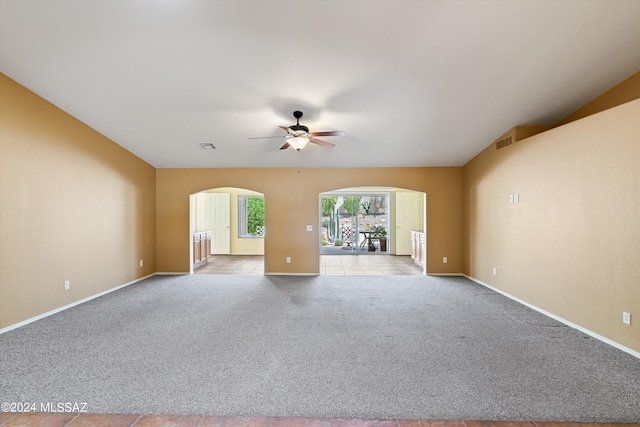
(73, 304)
(171, 273)
(560, 319)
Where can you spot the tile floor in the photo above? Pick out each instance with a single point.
(365, 265)
(331, 265)
(233, 264)
(86, 420)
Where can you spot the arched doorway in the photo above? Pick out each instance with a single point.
(386, 222)
(231, 222)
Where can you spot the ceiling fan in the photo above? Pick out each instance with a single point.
(298, 135)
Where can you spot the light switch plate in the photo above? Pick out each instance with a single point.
(309, 228)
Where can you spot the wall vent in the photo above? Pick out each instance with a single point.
(504, 142)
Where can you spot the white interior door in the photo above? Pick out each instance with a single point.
(408, 217)
(217, 219)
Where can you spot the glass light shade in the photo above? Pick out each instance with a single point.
(298, 142)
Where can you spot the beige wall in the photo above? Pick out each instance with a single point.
(292, 203)
(73, 206)
(570, 245)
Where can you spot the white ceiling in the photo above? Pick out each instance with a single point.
(412, 83)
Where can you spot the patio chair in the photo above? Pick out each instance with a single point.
(347, 234)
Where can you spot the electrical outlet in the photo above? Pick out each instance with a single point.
(444, 259)
(510, 198)
(516, 198)
(495, 271)
(626, 318)
(309, 228)
(141, 263)
(67, 285)
(288, 260)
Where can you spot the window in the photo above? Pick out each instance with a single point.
(250, 216)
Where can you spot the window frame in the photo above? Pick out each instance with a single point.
(243, 232)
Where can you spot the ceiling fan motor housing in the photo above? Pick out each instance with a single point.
(298, 127)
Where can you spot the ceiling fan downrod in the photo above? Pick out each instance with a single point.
(298, 126)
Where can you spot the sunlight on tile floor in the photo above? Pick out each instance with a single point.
(366, 265)
(233, 264)
(330, 265)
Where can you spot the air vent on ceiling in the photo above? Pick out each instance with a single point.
(504, 142)
(207, 145)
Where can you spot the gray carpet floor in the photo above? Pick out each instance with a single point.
(365, 347)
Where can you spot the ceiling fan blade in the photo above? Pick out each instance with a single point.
(265, 137)
(329, 133)
(322, 143)
(286, 129)
(285, 146)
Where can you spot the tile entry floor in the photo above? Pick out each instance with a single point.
(85, 420)
(233, 264)
(366, 265)
(330, 265)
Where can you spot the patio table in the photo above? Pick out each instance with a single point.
(367, 239)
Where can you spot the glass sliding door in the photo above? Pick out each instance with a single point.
(373, 222)
(350, 205)
(354, 222)
(337, 225)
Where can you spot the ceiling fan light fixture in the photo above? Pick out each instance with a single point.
(298, 142)
(298, 135)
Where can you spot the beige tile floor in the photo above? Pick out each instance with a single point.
(330, 265)
(233, 264)
(366, 265)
